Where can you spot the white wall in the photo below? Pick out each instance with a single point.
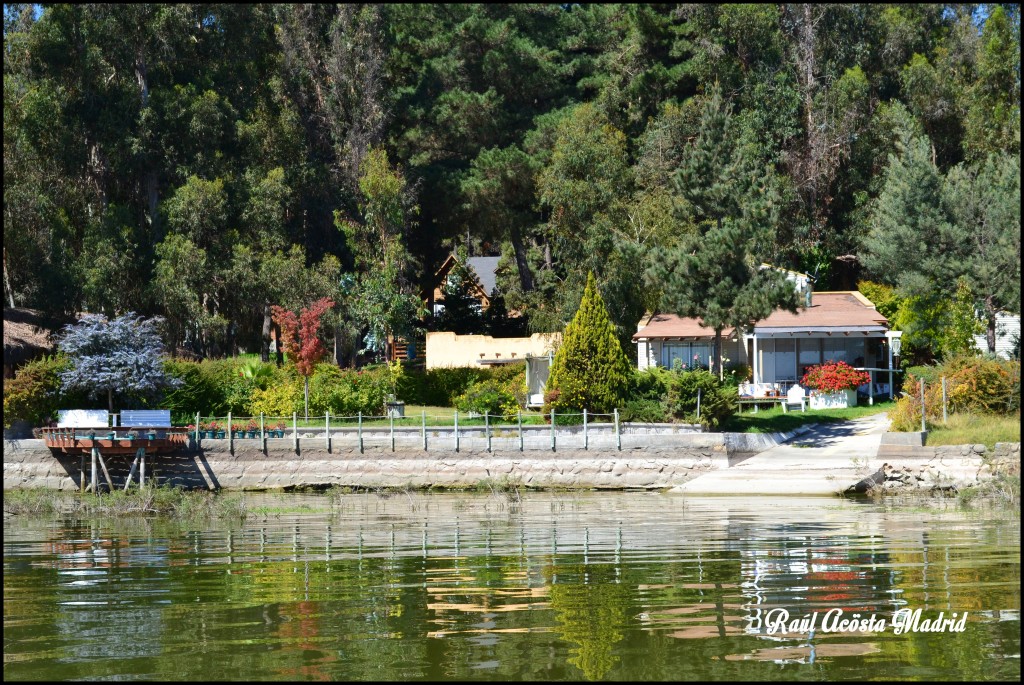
(1007, 331)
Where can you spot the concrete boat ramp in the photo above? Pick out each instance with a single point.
(824, 459)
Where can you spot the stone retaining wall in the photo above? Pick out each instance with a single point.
(944, 467)
(672, 461)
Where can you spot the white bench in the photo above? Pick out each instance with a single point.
(82, 418)
(146, 418)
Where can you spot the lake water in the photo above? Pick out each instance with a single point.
(552, 586)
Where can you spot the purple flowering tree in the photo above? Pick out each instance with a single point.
(122, 356)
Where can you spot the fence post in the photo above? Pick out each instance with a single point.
(618, 435)
(231, 437)
(327, 420)
(944, 416)
(586, 442)
(95, 482)
(197, 429)
(263, 434)
(698, 405)
(520, 420)
(424, 412)
(456, 430)
(552, 430)
(922, 406)
(360, 432)
(487, 428)
(295, 432)
(391, 417)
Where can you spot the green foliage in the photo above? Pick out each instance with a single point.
(589, 370)
(280, 399)
(643, 411)
(717, 400)
(442, 387)
(186, 161)
(199, 392)
(346, 392)
(489, 396)
(716, 275)
(34, 394)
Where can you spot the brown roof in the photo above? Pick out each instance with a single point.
(827, 310)
(672, 326)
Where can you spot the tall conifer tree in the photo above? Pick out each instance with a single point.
(716, 275)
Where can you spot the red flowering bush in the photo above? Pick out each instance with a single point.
(834, 376)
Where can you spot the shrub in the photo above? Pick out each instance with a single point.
(973, 385)
(650, 384)
(281, 398)
(346, 392)
(442, 387)
(717, 400)
(437, 387)
(198, 392)
(644, 411)
(34, 393)
(980, 384)
(905, 415)
(488, 396)
(737, 373)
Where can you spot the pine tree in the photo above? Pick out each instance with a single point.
(716, 274)
(590, 370)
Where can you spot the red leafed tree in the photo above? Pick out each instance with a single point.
(300, 337)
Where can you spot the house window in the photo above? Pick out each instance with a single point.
(835, 350)
(785, 360)
(672, 351)
(809, 354)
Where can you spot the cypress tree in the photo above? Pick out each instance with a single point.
(590, 370)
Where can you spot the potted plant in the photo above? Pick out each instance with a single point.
(279, 429)
(112, 435)
(253, 428)
(151, 434)
(191, 428)
(204, 429)
(834, 385)
(131, 435)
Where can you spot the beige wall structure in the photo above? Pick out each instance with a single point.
(446, 350)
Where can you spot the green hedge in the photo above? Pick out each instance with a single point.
(443, 387)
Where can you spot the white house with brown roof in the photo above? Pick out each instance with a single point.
(837, 326)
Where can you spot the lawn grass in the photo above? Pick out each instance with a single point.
(775, 421)
(976, 429)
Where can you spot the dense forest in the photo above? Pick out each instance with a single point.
(204, 162)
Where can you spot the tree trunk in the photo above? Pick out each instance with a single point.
(990, 324)
(718, 353)
(110, 400)
(522, 265)
(7, 282)
(306, 386)
(280, 353)
(265, 337)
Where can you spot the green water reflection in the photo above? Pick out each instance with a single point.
(592, 586)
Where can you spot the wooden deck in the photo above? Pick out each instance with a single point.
(83, 440)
